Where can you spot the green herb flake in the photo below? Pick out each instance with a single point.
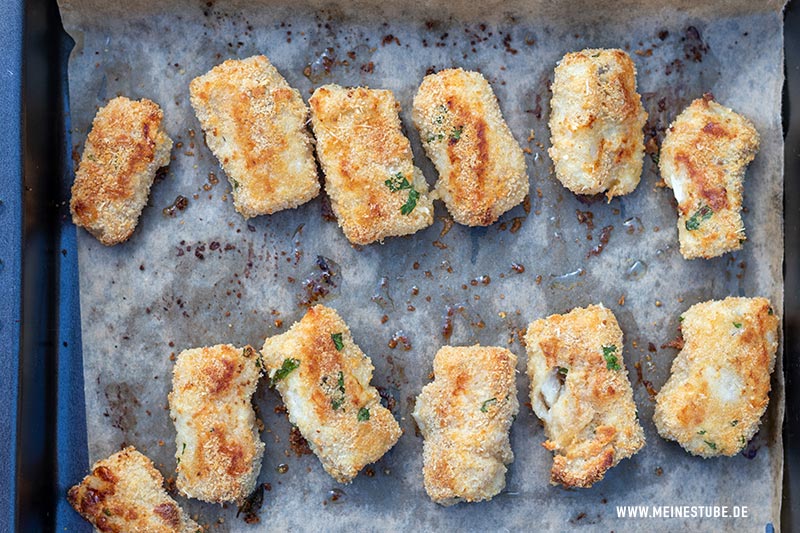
(336, 403)
(656, 157)
(701, 432)
(398, 182)
(337, 341)
(734, 423)
(596, 55)
(704, 213)
(411, 203)
(563, 371)
(363, 414)
(486, 404)
(609, 354)
(737, 325)
(770, 311)
(235, 184)
(184, 448)
(742, 440)
(340, 382)
(456, 133)
(680, 318)
(106, 512)
(436, 137)
(710, 444)
(288, 366)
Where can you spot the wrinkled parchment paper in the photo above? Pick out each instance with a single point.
(205, 276)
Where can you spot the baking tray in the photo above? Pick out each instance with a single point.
(42, 392)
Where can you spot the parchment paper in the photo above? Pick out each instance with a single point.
(205, 276)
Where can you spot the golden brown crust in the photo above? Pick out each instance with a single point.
(255, 124)
(360, 146)
(218, 448)
(703, 158)
(125, 494)
(328, 393)
(580, 390)
(465, 416)
(123, 151)
(718, 390)
(481, 166)
(596, 123)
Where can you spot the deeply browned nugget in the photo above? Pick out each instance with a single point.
(125, 493)
(126, 146)
(255, 124)
(465, 416)
(324, 380)
(580, 390)
(481, 167)
(218, 448)
(718, 390)
(703, 158)
(375, 189)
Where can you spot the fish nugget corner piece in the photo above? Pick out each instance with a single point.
(719, 385)
(596, 123)
(123, 151)
(482, 172)
(465, 416)
(256, 126)
(703, 159)
(324, 380)
(218, 446)
(374, 187)
(125, 492)
(580, 390)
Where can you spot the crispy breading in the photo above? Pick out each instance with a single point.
(256, 126)
(465, 416)
(374, 187)
(703, 158)
(718, 390)
(596, 123)
(125, 494)
(324, 380)
(481, 166)
(580, 390)
(125, 148)
(218, 447)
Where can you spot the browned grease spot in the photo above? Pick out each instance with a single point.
(168, 513)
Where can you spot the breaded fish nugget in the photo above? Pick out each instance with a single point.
(125, 148)
(718, 390)
(465, 416)
(125, 493)
(481, 166)
(580, 390)
(375, 189)
(218, 448)
(596, 123)
(255, 125)
(703, 158)
(324, 380)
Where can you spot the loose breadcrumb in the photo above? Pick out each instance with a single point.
(596, 123)
(481, 166)
(465, 416)
(580, 390)
(718, 390)
(255, 124)
(218, 448)
(125, 148)
(125, 494)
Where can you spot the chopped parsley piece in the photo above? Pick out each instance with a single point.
(656, 157)
(235, 184)
(710, 444)
(398, 182)
(288, 366)
(340, 382)
(704, 213)
(563, 371)
(734, 422)
(737, 325)
(184, 448)
(456, 134)
(411, 203)
(770, 311)
(596, 55)
(337, 341)
(336, 403)
(363, 414)
(609, 354)
(742, 440)
(106, 512)
(436, 137)
(701, 432)
(680, 318)
(486, 404)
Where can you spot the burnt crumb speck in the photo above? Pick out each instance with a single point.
(320, 283)
(252, 505)
(605, 235)
(298, 443)
(180, 204)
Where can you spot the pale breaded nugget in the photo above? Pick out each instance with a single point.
(719, 386)
(481, 167)
(375, 189)
(255, 124)
(703, 158)
(465, 416)
(125, 148)
(125, 494)
(323, 378)
(580, 390)
(218, 448)
(596, 123)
